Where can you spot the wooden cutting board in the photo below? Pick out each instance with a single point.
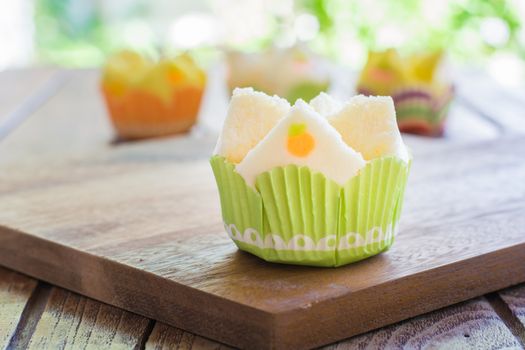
(147, 236)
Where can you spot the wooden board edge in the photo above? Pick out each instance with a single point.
(184, 307)
(323, 323)
(349, 315)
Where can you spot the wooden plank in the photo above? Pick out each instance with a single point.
(17, 84)
(70, 321)
(66, 119)
(164, 337)
(469, 325)
(466, 125)
(516, 94)
(22, 92)
(515, 301)
(490, 100)
(472, 324)
(76, 116)
(15, 291)
(453, 246)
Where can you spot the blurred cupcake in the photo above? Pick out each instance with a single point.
(313, 184)
(149, 99)
(291, 73)
(421, 94)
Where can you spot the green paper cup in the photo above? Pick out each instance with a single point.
(297, 216)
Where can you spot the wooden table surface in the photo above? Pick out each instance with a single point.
(50, 116)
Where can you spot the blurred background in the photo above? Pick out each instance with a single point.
(81, 33)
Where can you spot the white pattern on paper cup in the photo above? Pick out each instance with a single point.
(233, 232)
(374, 235)
(302, 242)
(351, 240)
(252, 236)
(274, 242)
(327, 243)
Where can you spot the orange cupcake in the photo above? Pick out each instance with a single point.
(149, 99)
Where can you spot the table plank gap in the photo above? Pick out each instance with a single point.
(514, 298)
(146, 335)
(32, 103)
(490, 98)
(18, 84)
(481, 113)
(65, 119)
(30, 317)
(466, 125)
(506, 315)
(15, 292)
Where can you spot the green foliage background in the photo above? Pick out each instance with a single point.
(73, 35)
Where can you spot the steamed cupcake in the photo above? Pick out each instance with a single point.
(421, 93)
(312, 184)
(292, 73)
(147, 98)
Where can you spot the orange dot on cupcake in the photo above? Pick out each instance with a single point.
(300, 142)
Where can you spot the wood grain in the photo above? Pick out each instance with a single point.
(469, 325)
(87, 234)
(70, 321)
(15, 291)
